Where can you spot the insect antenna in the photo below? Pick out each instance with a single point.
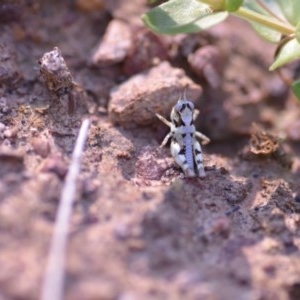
(184, 92)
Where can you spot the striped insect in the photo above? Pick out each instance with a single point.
(185, 149)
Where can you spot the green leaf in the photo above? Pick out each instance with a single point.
(207, 22)
(233, 5)
(182, 16)
(255, 6)
(296, 88)
(272, 6)
(267, 33)
(298, 32)
(291, 10)
(288, 52)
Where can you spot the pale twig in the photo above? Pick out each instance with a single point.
(53, 284)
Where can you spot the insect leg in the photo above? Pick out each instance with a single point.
(164, 120)
(178, 153)
(203, 137)
(199, 159)
(164, 142)
(196, 114)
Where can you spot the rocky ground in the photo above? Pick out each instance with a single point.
(140, 230)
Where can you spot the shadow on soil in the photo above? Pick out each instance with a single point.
(197, 236)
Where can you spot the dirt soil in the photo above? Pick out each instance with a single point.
(140, 230)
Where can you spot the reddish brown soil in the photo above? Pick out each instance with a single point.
(138, 230)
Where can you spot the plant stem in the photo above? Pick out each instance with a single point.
(269, 22)
(267, 9)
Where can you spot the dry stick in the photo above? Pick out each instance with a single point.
(53, 284)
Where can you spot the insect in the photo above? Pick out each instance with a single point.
(185, 149)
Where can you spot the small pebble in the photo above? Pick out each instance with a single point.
(114, 45)
(136, 101)
(41, 146)
(206, 62)
(293, 131)
(56, 165)
(57, 77)
(122, 231)
(147, 50)
(55, 72)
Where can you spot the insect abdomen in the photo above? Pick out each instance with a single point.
(189, 155)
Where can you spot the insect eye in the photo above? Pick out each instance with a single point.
(191, 105)
(178, 107)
